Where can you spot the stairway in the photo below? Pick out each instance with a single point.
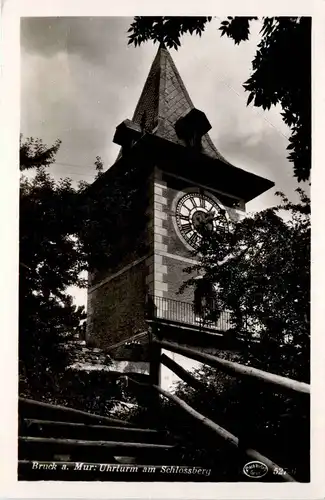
(59, 443)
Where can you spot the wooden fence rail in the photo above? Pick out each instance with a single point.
(77, 430)
(121, 447)
(218, 430)
(281, 383)
(181, 373)
(31, 406)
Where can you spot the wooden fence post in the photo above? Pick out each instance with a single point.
(154, 369)
(249, 403)
(155, 351)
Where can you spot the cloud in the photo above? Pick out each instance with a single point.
(79, 83)
(214, 70)
(92, 38)
(80, 80)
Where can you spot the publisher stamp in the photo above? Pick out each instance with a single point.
(255, 469)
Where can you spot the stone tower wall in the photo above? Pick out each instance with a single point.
(117, 294)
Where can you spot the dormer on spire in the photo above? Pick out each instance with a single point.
(192, 127)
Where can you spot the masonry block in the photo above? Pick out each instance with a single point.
(160, 215)
(159, 277)
(161, 286)
(157, 222)
(158, 207)
(160, 268)
(160, 199)
(160, 184)
(157, 259)
(158, 237)
(158, 190)
(160, 246)
(161, 230)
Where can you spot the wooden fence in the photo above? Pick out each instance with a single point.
(272, 381)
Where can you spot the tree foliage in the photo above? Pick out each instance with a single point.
(280, 73)
(51, 259)
(34, 153)
(165, 30)
(65, 230)
(260, 268)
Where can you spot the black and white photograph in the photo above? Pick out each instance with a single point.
(164, 249)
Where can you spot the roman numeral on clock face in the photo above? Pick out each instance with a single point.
(184, 217)
(186, 228)
(202, 202)
(193, 239)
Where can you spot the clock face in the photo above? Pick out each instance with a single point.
(196, 211)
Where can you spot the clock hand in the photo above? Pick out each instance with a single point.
(210, 216)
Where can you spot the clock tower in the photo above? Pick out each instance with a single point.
(181, 181)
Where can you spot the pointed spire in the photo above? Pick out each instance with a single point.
(164, 100)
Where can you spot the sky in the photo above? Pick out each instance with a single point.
(80, 79)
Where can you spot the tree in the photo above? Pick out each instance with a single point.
(281, 68)
(99, 167)
(51, 259)
(34, 153)
(64, 230)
